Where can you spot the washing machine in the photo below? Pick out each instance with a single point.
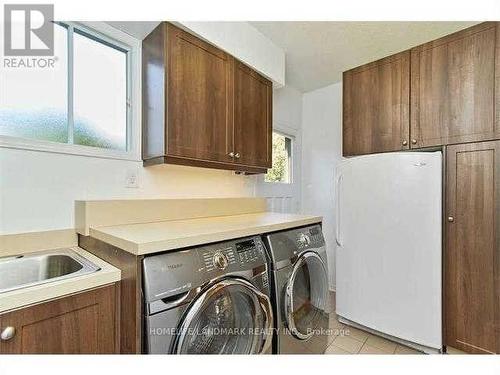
(299, 280)
(212, 299)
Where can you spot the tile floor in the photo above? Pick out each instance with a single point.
(350, 340)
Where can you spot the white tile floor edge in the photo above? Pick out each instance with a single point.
(353, 340)
(350, 340)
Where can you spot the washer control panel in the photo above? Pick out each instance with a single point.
(249, 251)
(220, 261)
(218, 258)
(232, 256)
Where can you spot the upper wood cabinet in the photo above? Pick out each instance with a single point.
(252, 117)
(449, 97)
(84, 323)
(472, 255)
(198, 98)
(453, 88)
(201, 106)
(376, 106)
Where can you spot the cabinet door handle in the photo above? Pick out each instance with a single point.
(231, 154)
(413, 141)
(7, 333)
(451, 219)
(405, 143)
(237, 155)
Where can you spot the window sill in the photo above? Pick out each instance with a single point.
(277, 182)
(68, 149)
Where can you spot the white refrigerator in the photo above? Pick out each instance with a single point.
(388, 256)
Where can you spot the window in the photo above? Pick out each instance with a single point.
(82, 100)
(282, 160)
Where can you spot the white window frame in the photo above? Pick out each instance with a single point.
(292, 134)
(111, 35)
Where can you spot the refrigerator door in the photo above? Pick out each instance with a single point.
(388, 259)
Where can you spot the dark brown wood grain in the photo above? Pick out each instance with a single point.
(453, 88)
(83, 323)
(472, 254)
(190, 102)
(131, 303)
(376, 106)
(199, 98)
(153, 93)
(252, 117)
(204, 163)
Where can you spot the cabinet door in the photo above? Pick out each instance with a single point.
(376, 106)
(472, 257)
(84, 323)
(252, 117)
(199, 107)
(453, 88)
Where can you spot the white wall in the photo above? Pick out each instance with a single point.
(321, 151)
(287, 118)
(287, 108)
(38, 189)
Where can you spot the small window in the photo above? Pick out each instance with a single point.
(282, 160)
(81, 100)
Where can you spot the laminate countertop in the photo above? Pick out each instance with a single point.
(153, 237)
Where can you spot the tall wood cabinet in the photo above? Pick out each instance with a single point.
(453, 88)
(376, 106)
(472, 255)
(201, 106)
(84, 323)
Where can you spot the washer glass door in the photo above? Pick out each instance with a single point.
(231, 317)
(306, 295)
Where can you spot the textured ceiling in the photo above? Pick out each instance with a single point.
(318, 52)
(138, 29)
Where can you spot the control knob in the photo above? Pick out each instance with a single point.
(304, 240)
(220, 261)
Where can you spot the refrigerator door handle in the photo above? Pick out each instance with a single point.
(337, 211)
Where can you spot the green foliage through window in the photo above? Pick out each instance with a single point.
(282, 150)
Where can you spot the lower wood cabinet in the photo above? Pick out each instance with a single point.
(472, 254)
(84, 323)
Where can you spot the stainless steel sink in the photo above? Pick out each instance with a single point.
(42, 267)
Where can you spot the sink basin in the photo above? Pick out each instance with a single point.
(42, 267)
